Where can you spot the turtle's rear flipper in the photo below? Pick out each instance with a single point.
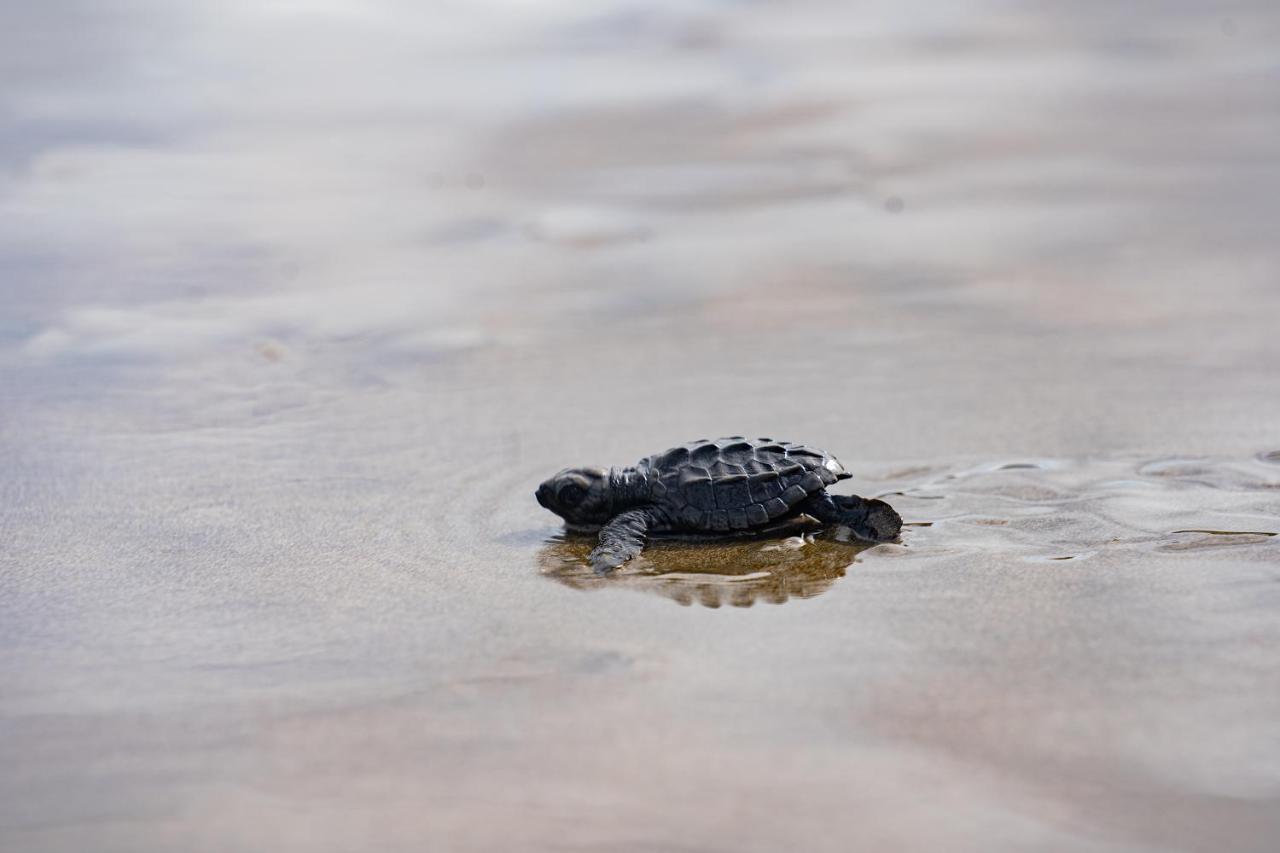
(872, 520)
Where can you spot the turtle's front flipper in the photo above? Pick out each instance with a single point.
(873, 520)
(621, 539)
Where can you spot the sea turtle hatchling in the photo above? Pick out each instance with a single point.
(731, 485)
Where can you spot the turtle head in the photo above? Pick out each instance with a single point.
(581, 496)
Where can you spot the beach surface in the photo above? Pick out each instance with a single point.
(301, 301)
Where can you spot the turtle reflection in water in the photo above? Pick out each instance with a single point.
(712, 573)
(731, 485)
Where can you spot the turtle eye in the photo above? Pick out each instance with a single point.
(571, 495)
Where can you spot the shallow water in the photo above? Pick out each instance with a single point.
(302, 300)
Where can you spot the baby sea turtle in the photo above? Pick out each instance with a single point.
(731, 485)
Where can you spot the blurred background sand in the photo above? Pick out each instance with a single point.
(302, 299)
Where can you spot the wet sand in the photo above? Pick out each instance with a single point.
(299, 309)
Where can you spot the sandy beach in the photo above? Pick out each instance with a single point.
(301, 301)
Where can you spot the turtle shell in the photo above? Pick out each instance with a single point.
(737, 483)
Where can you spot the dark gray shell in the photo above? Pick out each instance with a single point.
(737, 483)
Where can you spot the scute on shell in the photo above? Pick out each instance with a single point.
(699, 493)
(732, 491)
(763, 488)
(776, 507)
